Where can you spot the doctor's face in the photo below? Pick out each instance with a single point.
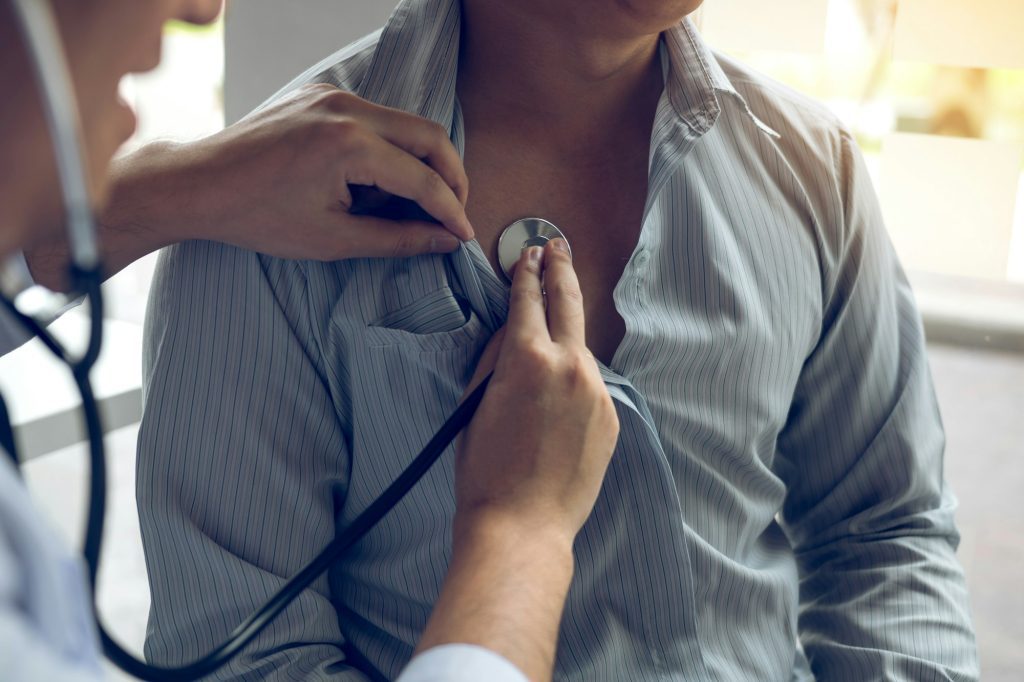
(103, 40)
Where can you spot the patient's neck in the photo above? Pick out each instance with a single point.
(530, 78)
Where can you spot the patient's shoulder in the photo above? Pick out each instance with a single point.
(768, 98)
(821, 152)
(812, 137)
(344, 69)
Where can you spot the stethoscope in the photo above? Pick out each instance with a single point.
(39, 28)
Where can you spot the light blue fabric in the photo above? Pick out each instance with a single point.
(46, 627)
(778, 477)
(460, 663)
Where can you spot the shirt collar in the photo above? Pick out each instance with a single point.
(695, 80)
(424, 36)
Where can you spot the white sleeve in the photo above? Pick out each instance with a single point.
(46, 628)
(26, 657)
(460, 663)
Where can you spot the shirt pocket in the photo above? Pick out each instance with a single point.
(405, 371)
(439, 321)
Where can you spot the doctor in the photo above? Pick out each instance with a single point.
(521, 498)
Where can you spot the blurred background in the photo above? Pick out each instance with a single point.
(933, 90)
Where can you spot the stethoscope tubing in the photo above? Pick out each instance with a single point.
(41, 34)
(248, 629)
(87, 281)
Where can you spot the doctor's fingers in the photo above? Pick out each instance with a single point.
(371, 237)
(526, 321)
(372, 160)
(425, 140)
(564, 297)
(421, 137)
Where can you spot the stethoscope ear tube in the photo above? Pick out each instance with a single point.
(61, 110)
(42, 41)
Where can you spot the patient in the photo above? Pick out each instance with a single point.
(775, 508)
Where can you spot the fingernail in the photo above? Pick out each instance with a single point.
(559, 244)
(444, 243)
(534, 253)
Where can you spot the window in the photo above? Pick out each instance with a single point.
(933, 90)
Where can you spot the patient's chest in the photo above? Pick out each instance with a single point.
(719, 329)
(599, 209)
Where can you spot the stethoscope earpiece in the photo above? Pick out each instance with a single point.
(521, 234)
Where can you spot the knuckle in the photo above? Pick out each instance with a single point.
(404, 244)
(432, 136)
(528, 266)
(430, 133)
(438, 131)
(579, 370)
(343, 128)
(526, 296)
(596, 387)
(567, 291)
(349, 135)
(428, 139)
(318, 91)
(534, 359)
(432, 184)
(337, 100)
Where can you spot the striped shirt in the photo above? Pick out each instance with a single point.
(775, 506)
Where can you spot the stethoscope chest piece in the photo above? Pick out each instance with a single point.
(521, 234)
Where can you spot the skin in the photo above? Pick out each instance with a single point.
(103, 41)
(289, 164)
(515, 525)
(530, 152)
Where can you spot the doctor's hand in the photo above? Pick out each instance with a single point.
(536, 451)
(277, 182)
(528, 470)
(281, 179)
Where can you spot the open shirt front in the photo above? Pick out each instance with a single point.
(777, 475)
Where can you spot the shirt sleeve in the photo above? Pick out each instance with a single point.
(24, 654)
(460, 663)
(46, 629)
(18, 278)
(867, 510)
(240, 459)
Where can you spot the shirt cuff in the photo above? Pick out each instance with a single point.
(14, 278)
(460, 663)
